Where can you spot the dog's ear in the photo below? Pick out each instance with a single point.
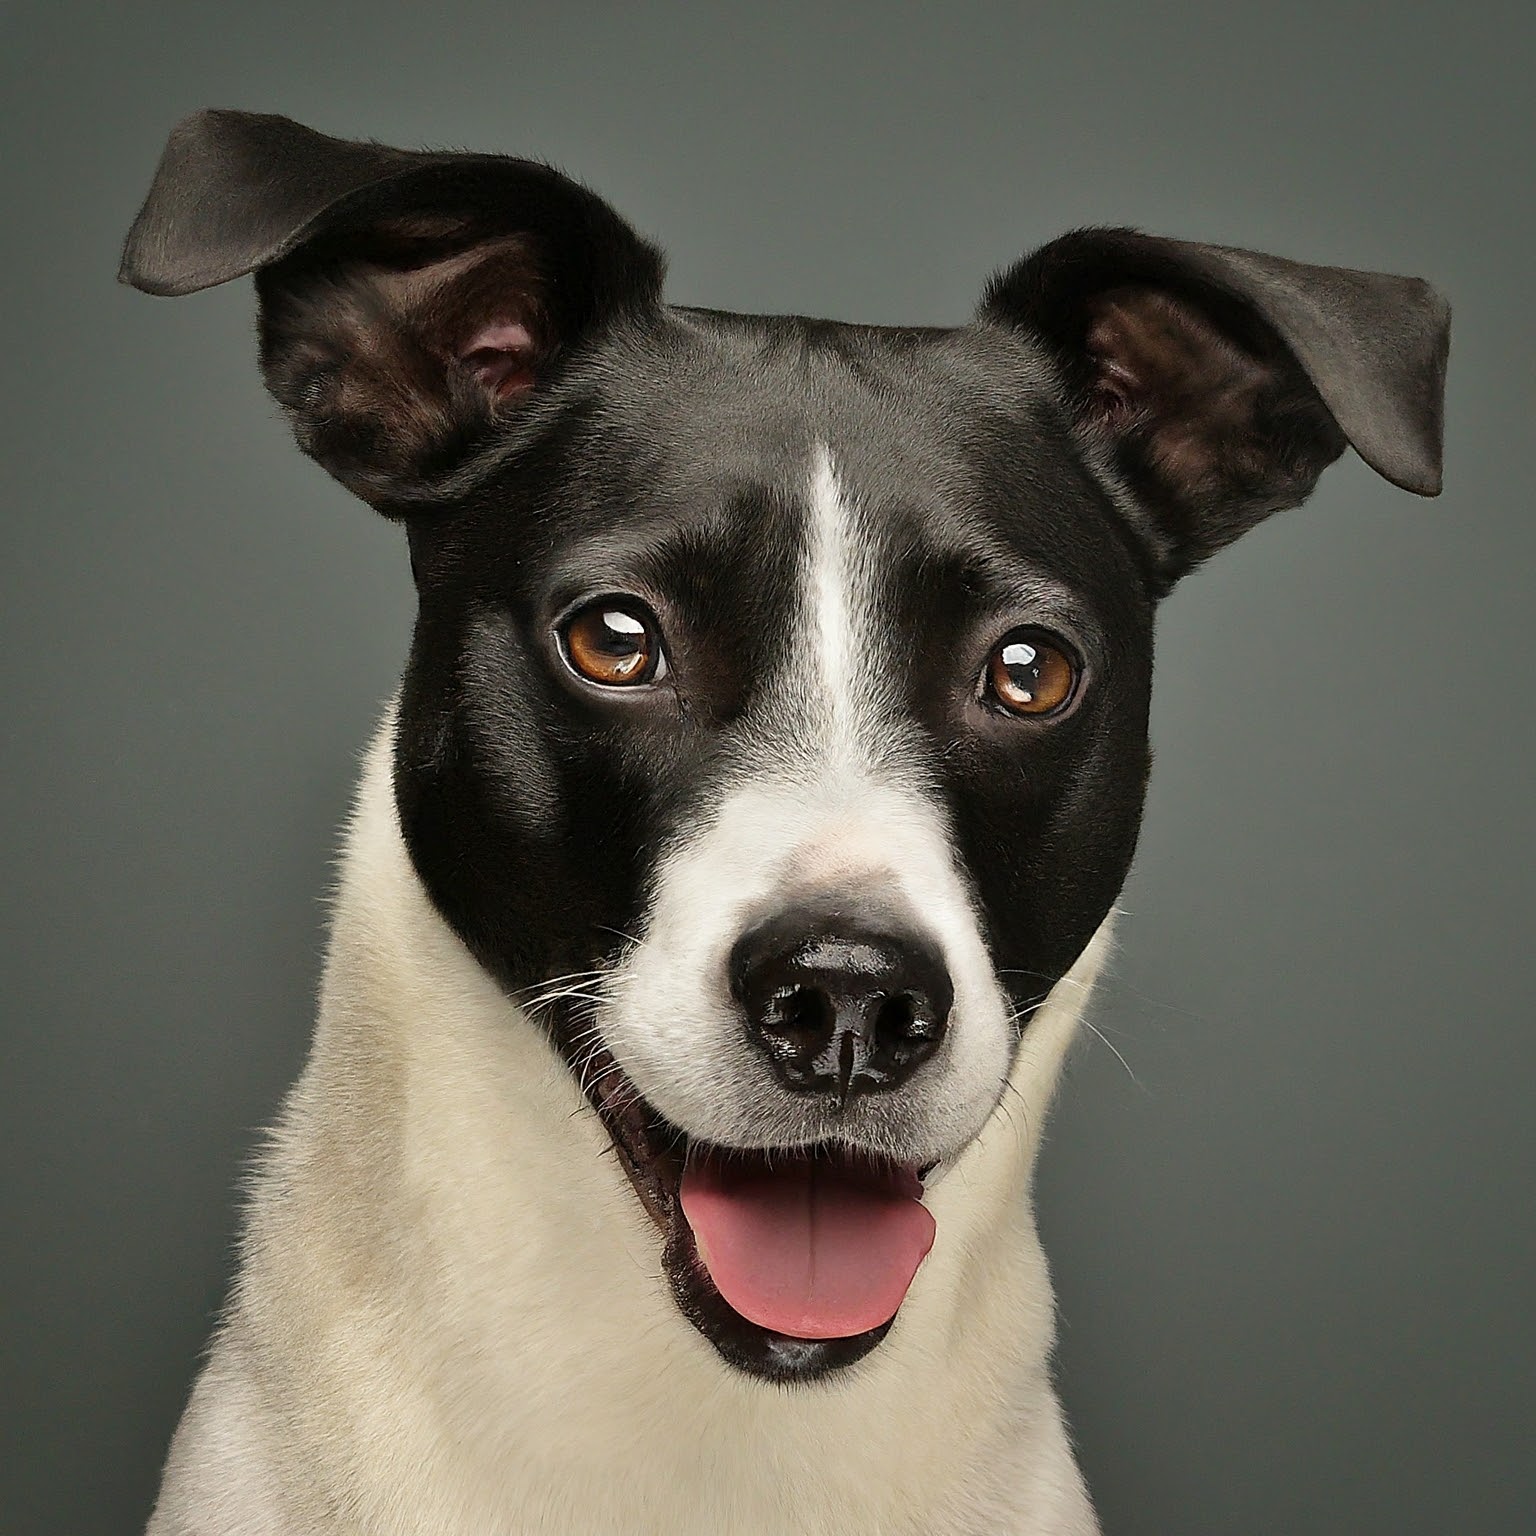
(1222, 382)
(409, 300)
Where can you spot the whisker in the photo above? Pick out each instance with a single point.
(1089, 1024)
(580, 993)
(555, 981)
(588, 1034)
(618, 933)
(1021, 1015)
(1111, 981)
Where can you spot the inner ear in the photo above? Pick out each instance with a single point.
(1207, 414)
(392, 360)
(500, 357)
(485, 312)
(1163, 371)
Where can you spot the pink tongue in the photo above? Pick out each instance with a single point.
(810, 1250)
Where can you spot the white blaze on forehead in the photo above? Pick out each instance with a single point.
(835, 701)
(837, 607)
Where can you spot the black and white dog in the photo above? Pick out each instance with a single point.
(731, 869)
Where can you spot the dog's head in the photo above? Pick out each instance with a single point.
(775, 727)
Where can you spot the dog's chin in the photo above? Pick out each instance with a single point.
(656, 1155)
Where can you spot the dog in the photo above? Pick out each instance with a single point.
(731, 869)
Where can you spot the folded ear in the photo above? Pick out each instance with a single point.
(409, 300)
(1222, 382)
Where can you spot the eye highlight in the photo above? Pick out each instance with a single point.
(613, 642)
(1030, 673)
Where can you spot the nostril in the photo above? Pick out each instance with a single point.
(803, 1017)
(896, 1020)
(906, 1032)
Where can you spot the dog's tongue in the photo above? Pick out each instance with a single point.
(813, 1249)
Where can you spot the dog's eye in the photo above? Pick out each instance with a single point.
(615, 642)
(1030, 673)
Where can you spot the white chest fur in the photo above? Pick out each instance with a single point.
(450, 1316)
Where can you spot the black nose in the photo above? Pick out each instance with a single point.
(841, 1004)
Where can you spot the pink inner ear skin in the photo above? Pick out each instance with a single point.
(501, 357)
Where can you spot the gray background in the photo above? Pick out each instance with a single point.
(1295, 1252)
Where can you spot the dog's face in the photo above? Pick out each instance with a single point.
(775, 724)
(794, 710)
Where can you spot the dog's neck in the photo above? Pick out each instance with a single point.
(453, 1302)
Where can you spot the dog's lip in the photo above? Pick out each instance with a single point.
(654, 1154)
(646, 1145)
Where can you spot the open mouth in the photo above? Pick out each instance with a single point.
(793, 1262)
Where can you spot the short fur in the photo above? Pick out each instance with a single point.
(468, 1299)
(450, 1315)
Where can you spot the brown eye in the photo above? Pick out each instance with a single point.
(613, 641)
(1029, 673)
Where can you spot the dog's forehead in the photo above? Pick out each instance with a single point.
(707, 434)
